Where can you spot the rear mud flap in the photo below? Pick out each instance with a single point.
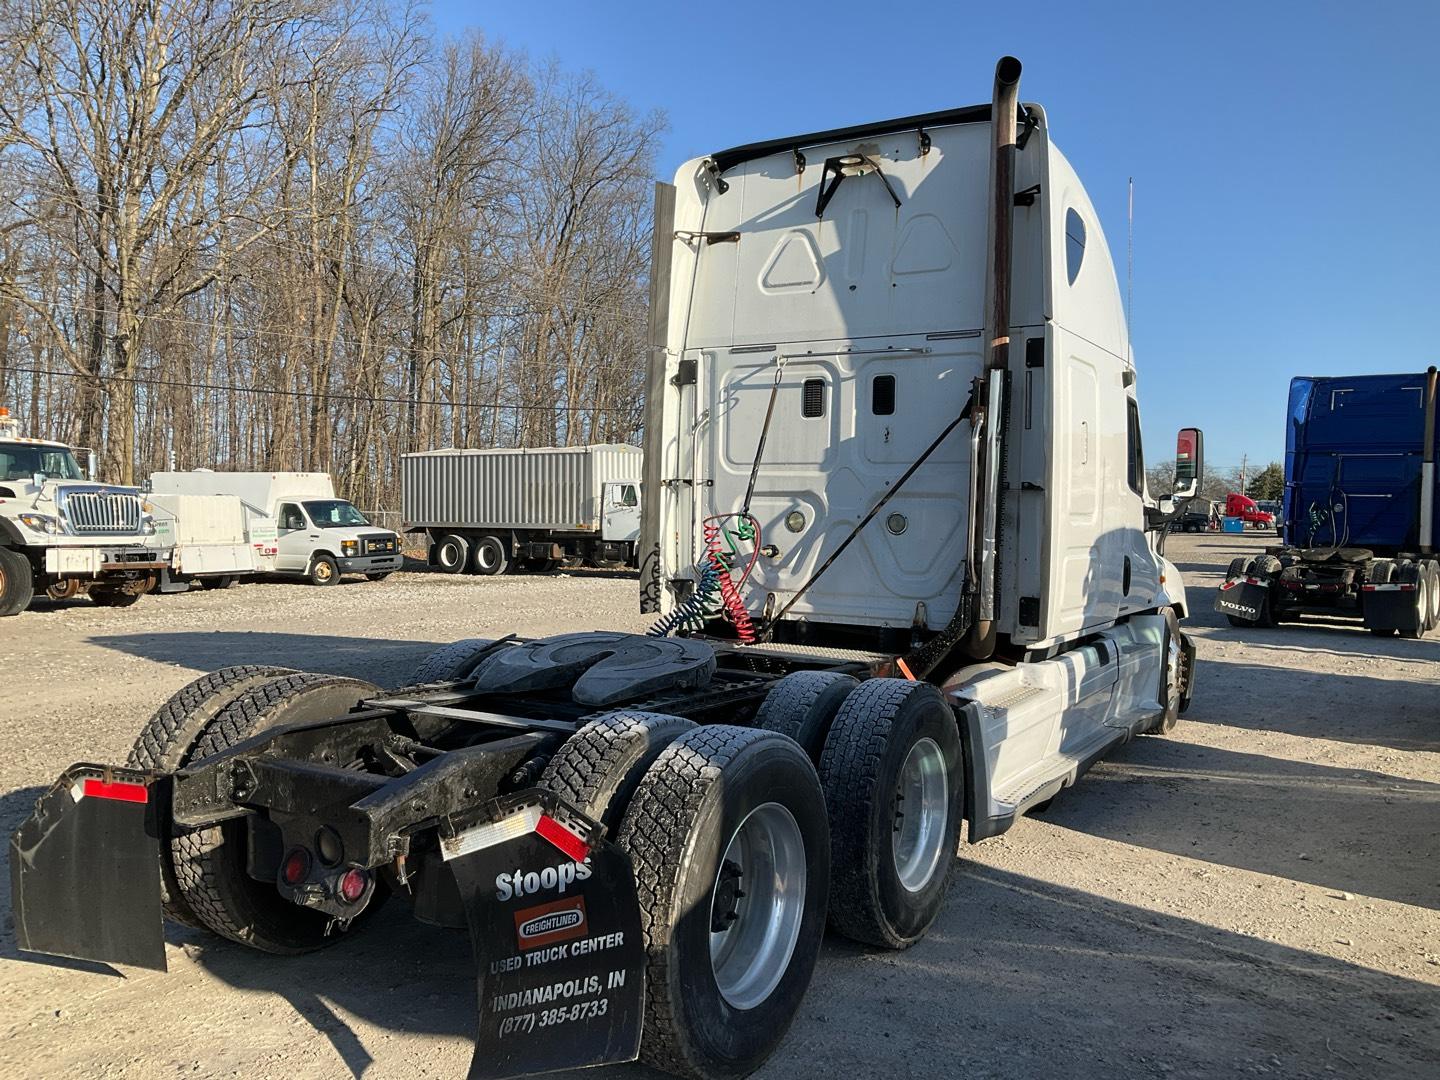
(85, 870)
(1241, 599)
(555, 925)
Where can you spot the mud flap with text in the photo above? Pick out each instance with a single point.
(1241, 599)
(85, 870)
(555, 926)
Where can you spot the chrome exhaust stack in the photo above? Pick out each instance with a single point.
(985, 512)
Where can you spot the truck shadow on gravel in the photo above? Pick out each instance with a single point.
(1339, 829)
(1122, 990)
(388, 663)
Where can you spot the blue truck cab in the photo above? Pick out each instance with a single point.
(1359, 510)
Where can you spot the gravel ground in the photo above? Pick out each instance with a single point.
(1255, 895)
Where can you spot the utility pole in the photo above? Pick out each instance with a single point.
(1244, 459)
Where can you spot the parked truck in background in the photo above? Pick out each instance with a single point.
(317, 536)
(214, 540)
(1359, 510)
(488, 511)
(905, 571)
(62, 534)
(1248, 511)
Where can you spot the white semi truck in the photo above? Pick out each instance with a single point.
(62, 534)
(487, 511)
(906, 573)
(315, 535)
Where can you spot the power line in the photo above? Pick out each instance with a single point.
(151, 380)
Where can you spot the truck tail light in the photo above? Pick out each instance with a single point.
(353, 884)
(296, 867)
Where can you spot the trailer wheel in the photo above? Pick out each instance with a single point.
(452, 553)
(803, 705)
(600, 766)
(490, 557)
(211, 863)
(452, 662)
(892, 772)
(169, 736)
(728, 836)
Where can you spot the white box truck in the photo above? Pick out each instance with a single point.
(909, 577)
(486, 511)
(318, 537)
(214, 540)
(61, 534)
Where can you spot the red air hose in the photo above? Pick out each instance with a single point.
(729, 593)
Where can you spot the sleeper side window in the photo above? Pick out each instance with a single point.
(1136, 471)
(1074, 244)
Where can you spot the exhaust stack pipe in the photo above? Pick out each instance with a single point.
(985, 514)
(1427, 468)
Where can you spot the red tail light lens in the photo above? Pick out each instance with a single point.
(296, 867)
(352, 885)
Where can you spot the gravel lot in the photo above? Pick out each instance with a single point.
(1256, 895)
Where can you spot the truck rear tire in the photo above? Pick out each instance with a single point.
(803, 705)
(727, 830)
(892, 771)
(210, 863)
(490, 556)
(452, 662)
(599, 767)
(1173, 675)
(1412, 573)
(168, 737)
(452, 553)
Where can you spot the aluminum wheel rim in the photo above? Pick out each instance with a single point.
(1174, 660)
(922, 805)
(751, 955)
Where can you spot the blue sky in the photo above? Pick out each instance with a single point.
(1284, 155)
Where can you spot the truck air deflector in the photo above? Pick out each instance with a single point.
(85, 870)
(792, 144)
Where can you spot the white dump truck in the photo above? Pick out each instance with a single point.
(316, 536)
(215, 540)
(488, 511)
(61, 534)
(907, 575)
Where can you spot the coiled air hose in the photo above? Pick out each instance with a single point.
(691, 613)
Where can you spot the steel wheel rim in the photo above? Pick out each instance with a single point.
(485, 557)
(449, 555)
(751, 954)
(322, 571)
(922, 807)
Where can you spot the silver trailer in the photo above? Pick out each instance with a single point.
(485, 511)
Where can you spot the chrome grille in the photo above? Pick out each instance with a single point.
(103, 512)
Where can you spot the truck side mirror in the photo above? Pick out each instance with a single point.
(1189, 462)
(91, 472)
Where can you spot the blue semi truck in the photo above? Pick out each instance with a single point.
(1359, 535)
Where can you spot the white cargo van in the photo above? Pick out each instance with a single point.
(317, 536)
